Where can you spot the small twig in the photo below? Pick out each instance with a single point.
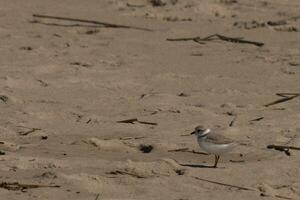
(187, 150)
(24, 133)
(256, 119)
(149, 123)
(284, 99)
(286, 94)
(130, 138)
(126, 173)
(128, 121)
(217, 36)
(136, 120)
(176, 150)
(278, 147)
(19, 186)
(223, 184)
(285, 149)
(104, 24)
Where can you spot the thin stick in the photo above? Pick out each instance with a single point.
(136, 120)
(176, 150)
(20, 186)
(237, 40)
(279, 147)
(149, 123)
(29, 131)
(286, 94)
(256, 119)
(187, 150)
(105, 24)
(223, 184)
(282, 100)
(130, 138)
(217, 36)
(128, 121)
(126, 173)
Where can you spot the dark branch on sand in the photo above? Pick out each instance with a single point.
(285, 97)
(131, 121)
(217, 37)
(101, 24)
(223, 184)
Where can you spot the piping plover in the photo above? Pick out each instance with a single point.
(213, 143)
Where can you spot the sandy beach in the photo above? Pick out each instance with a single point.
(97, 99)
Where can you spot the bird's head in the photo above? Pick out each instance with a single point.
(200, 131)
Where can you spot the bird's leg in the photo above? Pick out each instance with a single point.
(217, 157)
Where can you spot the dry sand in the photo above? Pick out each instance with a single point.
(64, 86)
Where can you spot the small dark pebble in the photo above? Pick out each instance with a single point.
(146, 148)
(2, 152)
(179, 172)
(44, 137)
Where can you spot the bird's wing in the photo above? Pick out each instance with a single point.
(218, 139)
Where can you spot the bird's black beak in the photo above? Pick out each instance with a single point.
(192, 133)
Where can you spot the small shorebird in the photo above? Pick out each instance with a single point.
(213, 143)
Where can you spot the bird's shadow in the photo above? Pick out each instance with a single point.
(198, 166)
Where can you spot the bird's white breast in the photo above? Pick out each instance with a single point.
(215, 148)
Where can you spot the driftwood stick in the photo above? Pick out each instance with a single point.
(282, 147)
(217, 36)
(149, 123)
(256, 119)
(187, 150)
(286, 94)
(136, 120)
(21, 186)
(237, 40)
(126, 173)
(31, 130)
(195, 39)
(105, 24)
(128, 121)
(224, 184)
(284, 99)
(176, 150)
